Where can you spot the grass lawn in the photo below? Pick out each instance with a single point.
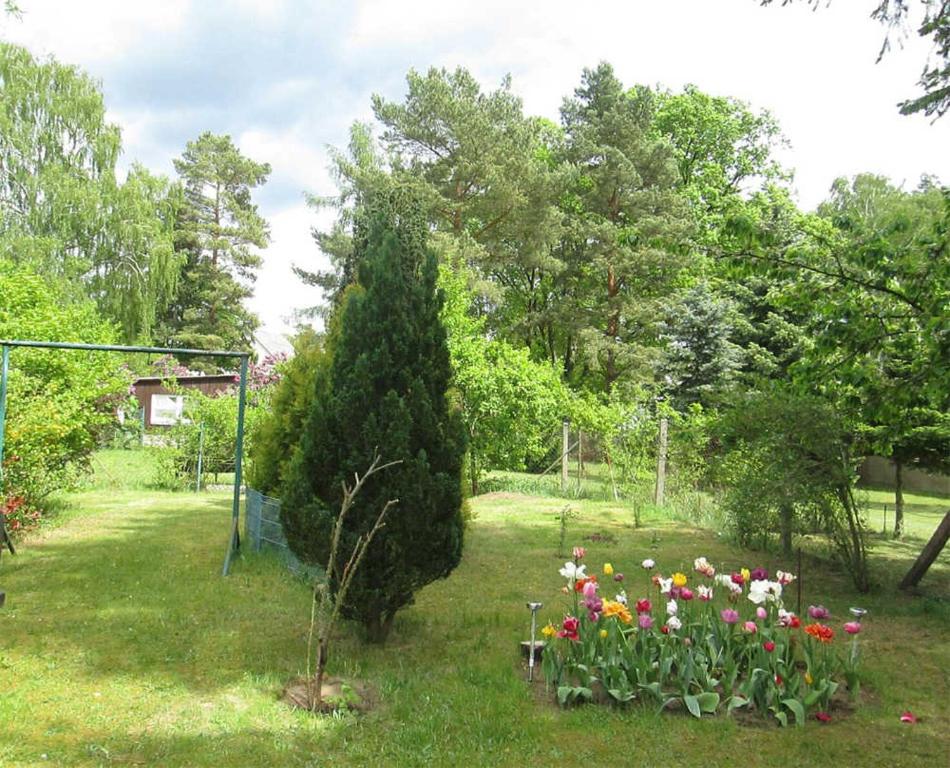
(121, 644)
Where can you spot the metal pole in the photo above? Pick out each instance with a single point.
(533, 607)
(235, 540)
(4, 372)
(201, 448)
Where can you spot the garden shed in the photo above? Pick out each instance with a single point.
(163, 404)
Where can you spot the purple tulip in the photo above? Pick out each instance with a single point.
(729, 615)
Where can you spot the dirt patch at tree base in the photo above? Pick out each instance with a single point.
(338, 696)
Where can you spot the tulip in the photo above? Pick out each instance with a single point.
(603, 634)
(618, 577)
(687, 594)
(729, 615)
(751, 627)
(823, 717)
(674, 623)
(852, 627)
(908, 717)
(672, 608)
(579, 553)
(645, 621)
(665, 629)
(818, 612)
(608, 569)
(644, 606)
(761, 613)
(679, 579)
(648, 564)
(769, 646)
(759, 574)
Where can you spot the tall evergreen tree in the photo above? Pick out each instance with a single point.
(385, 391)
(218, 228)
(626, 226)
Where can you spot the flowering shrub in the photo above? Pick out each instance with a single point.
(17, 514)
(706, 640)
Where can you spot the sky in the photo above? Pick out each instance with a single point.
(286, 78)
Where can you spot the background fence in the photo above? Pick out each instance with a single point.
(264, 532)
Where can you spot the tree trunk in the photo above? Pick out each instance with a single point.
(898, 498)
(378, 627)
(786, 514)
(474, 470)
(930, 552)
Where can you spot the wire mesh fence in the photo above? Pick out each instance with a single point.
(265, 533)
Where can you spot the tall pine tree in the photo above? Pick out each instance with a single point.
(218, 228)
(385, 391)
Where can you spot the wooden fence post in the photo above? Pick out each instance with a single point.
(660, 493)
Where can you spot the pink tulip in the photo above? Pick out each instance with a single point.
(645, 621)
(852, 627)
(729, 615)
(686, 593)
(750, 627)
(761, 613)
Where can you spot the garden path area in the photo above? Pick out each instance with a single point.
(121, 644)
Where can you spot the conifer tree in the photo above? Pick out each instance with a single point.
(385, 393)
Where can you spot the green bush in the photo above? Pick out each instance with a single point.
(278, 430)
(59, 402)
(787, 469)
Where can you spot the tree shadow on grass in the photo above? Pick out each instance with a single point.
(138, 592)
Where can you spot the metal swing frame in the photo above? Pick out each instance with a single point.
(234, 541)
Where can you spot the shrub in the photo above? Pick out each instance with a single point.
(279, 428)
(787, 464)
(59, 402)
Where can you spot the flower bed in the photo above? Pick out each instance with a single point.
(706, 641)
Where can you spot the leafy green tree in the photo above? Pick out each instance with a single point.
(720, 146)
(62, 210)
(511, 404)
(889, 350)
(217, 231)
(789, 468)
(58, 401)
(386, 392)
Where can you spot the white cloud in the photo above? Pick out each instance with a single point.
(85, 32)
(278, 291)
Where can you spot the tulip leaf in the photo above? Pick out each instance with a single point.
(692, 704)
(708, 701)
(736, 702)
(796, 706)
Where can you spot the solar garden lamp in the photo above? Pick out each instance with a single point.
(534, 608)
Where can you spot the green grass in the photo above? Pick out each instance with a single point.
(121, 644)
